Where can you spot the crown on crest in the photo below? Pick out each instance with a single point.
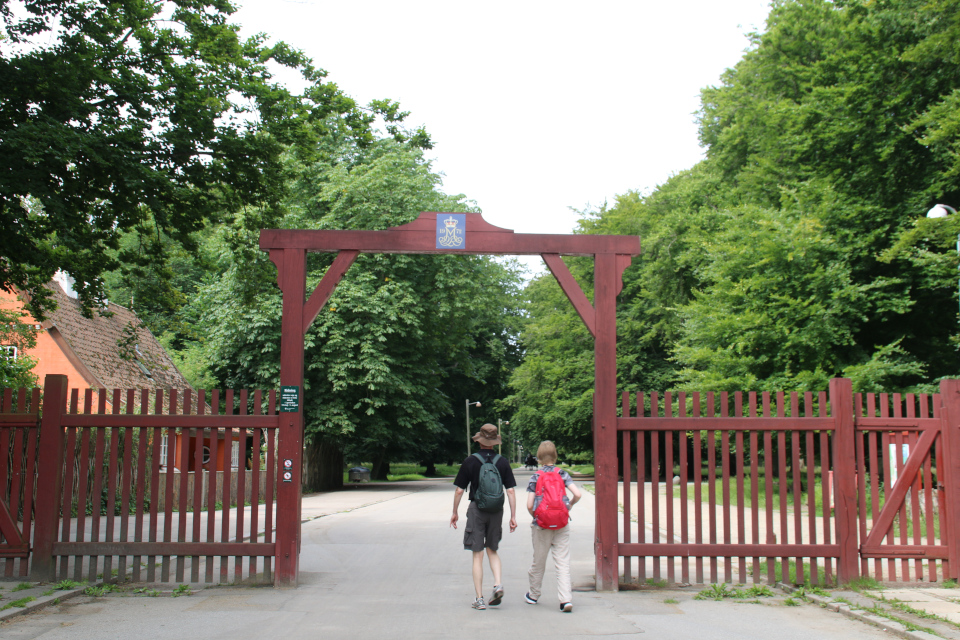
(451, 222)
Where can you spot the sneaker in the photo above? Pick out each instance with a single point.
(529, 598)
(497, 595)
(566, 607)
(478, 604)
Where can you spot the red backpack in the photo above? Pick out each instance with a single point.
(551, 513)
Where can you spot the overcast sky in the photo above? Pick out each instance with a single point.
(534, 107)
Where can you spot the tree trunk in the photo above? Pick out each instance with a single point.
(323, 466)
(431, 469)
(381, 467)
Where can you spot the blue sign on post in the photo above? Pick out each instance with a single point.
(451, 231)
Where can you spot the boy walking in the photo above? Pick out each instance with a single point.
(548, 503)
(485, 513)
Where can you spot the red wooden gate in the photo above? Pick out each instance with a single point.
(121, 489)
(19, 419)
(815, 488)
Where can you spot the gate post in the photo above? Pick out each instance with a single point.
(49, 479)
(292, 278)
(950, 476)
(606, 275)
(844, 479)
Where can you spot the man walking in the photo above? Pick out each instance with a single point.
(485, 513)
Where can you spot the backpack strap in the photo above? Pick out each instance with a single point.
(479, 457)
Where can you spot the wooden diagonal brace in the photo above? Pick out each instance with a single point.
(327, 284)
(574, 293)
(906, 479)
(9, 528)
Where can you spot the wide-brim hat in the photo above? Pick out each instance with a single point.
(488, 435)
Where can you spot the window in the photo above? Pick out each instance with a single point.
(235, 456)
(206, 455)
(163, 451)
(9, 351)
(139, 363)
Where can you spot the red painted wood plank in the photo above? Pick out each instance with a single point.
(173, 421)
(724, 424)
(572, 289)
(916, 552)
(228, 440)
(291, 265)
(627, 507)
(111, 483)
(241, 487)
(733, 550)
(641, 486)
(826, 504)
(768, 488)
(157, 439)
(271, 469)
(168, 485)
(795, 478)
(164, 549)
(655, 482)
(185, 442)
(950, 416)
(126, 482)
(697, 486)
(142, 474)
(211, 508)
(754, 485)
(684, 471)
(255, 488)
(810, 457)
(725, 484)
(741, 487)
(668, 481)
(712, 484)
(606, 276)
(326, 286)
(424, 242)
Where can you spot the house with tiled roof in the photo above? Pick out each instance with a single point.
(113, 350)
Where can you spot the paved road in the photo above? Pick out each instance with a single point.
(394, 569)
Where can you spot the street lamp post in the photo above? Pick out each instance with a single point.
(942, 211)
(476, 404)
(500, 431)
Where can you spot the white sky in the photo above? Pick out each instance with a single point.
(534, 107)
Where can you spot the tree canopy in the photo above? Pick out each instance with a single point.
(797, 250)
(141, 114)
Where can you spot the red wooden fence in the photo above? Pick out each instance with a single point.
(19, 413)
(99, 486)
(815, 488)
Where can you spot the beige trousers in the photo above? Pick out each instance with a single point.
(543, 541)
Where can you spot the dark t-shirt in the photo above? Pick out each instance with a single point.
(469, 473)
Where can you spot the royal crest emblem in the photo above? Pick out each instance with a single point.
(451, 230)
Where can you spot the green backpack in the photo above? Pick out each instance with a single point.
(489, 495)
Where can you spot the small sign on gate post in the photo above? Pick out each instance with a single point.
(289, 399)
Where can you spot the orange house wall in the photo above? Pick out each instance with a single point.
(50, 359)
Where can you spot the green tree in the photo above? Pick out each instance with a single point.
(141, 114)
(381, 356)
(16, 337)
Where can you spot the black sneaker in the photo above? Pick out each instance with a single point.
(497, 595)
(478, 604)
(566, 607)
(529, 598)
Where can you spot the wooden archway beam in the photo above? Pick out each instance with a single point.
(326, 286)
(572, 288)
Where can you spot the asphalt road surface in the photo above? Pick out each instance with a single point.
(394, 569)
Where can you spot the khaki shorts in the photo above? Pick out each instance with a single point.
(483, 529)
